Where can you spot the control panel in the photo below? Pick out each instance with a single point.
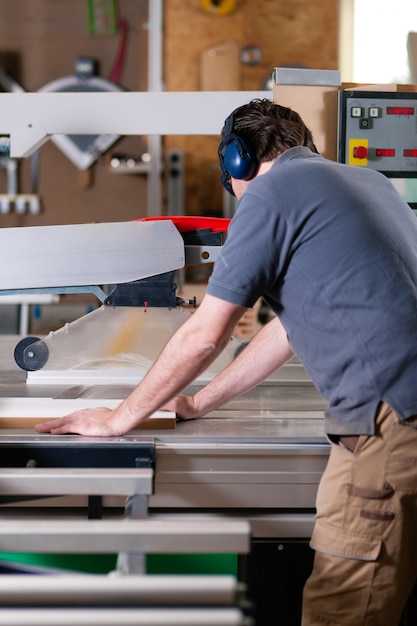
(378, 130)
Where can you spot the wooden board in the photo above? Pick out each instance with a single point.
(27, 412)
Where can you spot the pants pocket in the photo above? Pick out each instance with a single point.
(345, 543)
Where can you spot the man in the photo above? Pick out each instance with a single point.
(333, 250)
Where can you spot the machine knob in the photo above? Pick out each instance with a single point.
(360, 152)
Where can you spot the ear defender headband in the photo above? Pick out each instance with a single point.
(237, 159)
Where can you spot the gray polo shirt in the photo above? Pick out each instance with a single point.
(333, 250)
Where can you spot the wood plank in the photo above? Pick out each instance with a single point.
(27, 412)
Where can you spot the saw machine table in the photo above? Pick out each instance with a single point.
(249, 471)
(264, 452)
(251, 467)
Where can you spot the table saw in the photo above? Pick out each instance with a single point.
(257, 461)
(242, 476)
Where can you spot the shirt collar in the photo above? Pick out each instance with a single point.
(295, 153)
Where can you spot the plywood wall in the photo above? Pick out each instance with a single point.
(286, 32)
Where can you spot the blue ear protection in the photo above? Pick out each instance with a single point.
(237, 159)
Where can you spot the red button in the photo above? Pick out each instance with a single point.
(360, 152)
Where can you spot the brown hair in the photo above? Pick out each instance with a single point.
(270, 128)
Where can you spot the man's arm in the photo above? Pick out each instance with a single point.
(187, 354)
(263, 355)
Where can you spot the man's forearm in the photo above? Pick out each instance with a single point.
(189, 352)
(266, 353)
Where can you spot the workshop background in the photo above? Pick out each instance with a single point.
(262, 456)
(40, 41)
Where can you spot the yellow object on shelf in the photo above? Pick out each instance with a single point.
(219, 7)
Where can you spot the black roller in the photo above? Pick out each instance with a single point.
(31, 354)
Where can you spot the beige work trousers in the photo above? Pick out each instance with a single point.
(365, 536)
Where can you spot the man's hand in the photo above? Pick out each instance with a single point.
(183, 407)
(97, 422)
(100, 421)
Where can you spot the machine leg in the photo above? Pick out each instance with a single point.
(136, 507)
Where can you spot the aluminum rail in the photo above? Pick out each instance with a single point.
(123, 617)
(90, 590)
(126, 536)
(30, 481)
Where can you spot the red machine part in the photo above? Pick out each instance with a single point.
(185, 223)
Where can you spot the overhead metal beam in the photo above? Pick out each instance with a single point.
(29, 119)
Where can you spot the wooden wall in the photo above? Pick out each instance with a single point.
(40, 39)
(287, 32)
